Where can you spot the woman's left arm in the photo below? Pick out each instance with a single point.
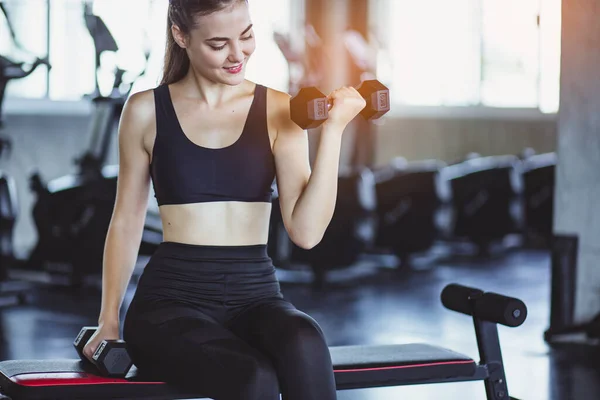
(307, 198)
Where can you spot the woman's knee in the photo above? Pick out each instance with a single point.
(301, 333)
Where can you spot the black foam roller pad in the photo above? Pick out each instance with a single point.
(458, 298)
(489, 306)
(501, 309)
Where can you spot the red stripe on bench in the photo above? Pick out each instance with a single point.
(70, 378)
(405, 366)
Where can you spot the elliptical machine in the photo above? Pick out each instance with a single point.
(72, 213)
(10, 69)
(10, 290)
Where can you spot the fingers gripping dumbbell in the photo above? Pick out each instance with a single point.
(110, 358)
(310, 108)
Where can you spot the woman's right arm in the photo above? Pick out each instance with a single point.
(127, 222)
(126, 226)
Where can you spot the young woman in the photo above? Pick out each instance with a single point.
(208, 314)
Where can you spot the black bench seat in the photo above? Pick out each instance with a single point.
(354, 367)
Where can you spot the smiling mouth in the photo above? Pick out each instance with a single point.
(234, 70)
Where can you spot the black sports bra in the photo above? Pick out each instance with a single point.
(184, 172)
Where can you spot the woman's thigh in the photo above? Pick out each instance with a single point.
(295, 344)
(188, 349)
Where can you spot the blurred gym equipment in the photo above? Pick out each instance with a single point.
(72, 213)
(484, 199)
(303, 71)
(538, 194)
(11, 69)
(408, 201)
(10, 290)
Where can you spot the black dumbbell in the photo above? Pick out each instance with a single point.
(309, 108)
(111, 358)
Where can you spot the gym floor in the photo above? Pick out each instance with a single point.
(371, 303)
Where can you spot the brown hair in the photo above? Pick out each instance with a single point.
(182, 14)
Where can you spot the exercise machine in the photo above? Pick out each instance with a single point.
(11, 69)
(11, 291)
(355, 366)
(408, 204)
(484, 199)
(539, 172)
(72, 213)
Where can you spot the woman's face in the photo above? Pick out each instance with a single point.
(220, 44)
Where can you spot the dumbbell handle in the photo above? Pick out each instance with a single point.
(330, 101)
(309, 108)
(379, 98)
(321, 108)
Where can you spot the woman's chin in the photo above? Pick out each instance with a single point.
(234, 80)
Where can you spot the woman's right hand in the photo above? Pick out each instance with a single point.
(106, 331)
(347, 103)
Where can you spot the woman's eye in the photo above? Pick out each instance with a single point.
(222, 47)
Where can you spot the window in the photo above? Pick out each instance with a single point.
(494, 53)
(135, 25)
(509, 53)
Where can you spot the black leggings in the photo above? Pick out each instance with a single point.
(212, 319)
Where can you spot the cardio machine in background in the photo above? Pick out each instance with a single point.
(72, 213)
(10, 290)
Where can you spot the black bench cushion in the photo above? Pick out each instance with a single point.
(401, 364)
(354, 367)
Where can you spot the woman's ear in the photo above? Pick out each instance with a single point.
(179, 36)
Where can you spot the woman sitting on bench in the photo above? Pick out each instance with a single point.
(208, 313)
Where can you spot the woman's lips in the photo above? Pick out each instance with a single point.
(235, 70)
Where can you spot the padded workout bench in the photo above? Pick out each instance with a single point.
(354, 366)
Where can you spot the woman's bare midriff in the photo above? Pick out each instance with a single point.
(230, 223)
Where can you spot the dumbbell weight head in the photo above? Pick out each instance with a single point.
(309, 108)
(82, 338)
(377, 96)
(112, 359)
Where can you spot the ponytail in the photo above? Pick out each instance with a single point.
(177, 61)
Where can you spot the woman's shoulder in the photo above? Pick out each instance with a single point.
(139, 112)
(140, 105)
(141, 100)
(277, 95)
(278, 111)
(277, 101)
(278, 104)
